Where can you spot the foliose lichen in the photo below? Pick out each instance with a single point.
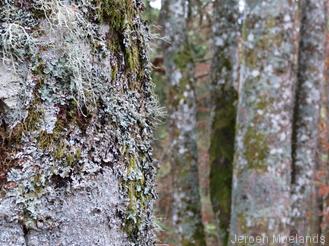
(84, 106)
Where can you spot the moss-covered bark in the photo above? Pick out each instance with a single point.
(305, 209)
(178, 59)
(262, 162)
(76, 123)
(224, 94)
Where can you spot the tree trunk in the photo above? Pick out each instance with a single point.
(324, 137)
(305, 210)
(262, 162)
(224, 94)
(76, 114)
(178, 59)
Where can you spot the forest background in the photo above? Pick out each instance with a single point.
(207, 41)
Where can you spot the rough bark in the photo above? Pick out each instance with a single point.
(305, 210)
(224, 94)
(76, 114)
(178, 60)
(262, 162)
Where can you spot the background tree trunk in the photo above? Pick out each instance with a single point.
(224, 95)
(262, 163)
(323, 173)
(76, 114)
(305, 207)
(178, 61)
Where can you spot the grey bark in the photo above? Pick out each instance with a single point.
(305, 207)
(76, 113)
(262, 162)
(178, 60)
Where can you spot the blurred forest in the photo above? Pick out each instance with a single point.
(245, 88)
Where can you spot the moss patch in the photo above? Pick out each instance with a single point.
(135, 185)
(256, 149)
(118, 13)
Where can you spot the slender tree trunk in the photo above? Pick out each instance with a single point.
(305, 210)
(224, 94)
(324, 137)
(178, 59)
(76, 114)
(262, 162)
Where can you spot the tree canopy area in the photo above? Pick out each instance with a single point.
(164, 122)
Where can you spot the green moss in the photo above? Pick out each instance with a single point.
(262, 104)
(132, 58)
(118, 13)
(138, 200)
(271, 22)
(242, 223)
(114, 72)
(45, 140)
(256, 149)
(78, 154)
(35, 114)
(59, 152)
(250, 58)
(70, 159)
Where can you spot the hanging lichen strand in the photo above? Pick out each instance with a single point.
(76, 113)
